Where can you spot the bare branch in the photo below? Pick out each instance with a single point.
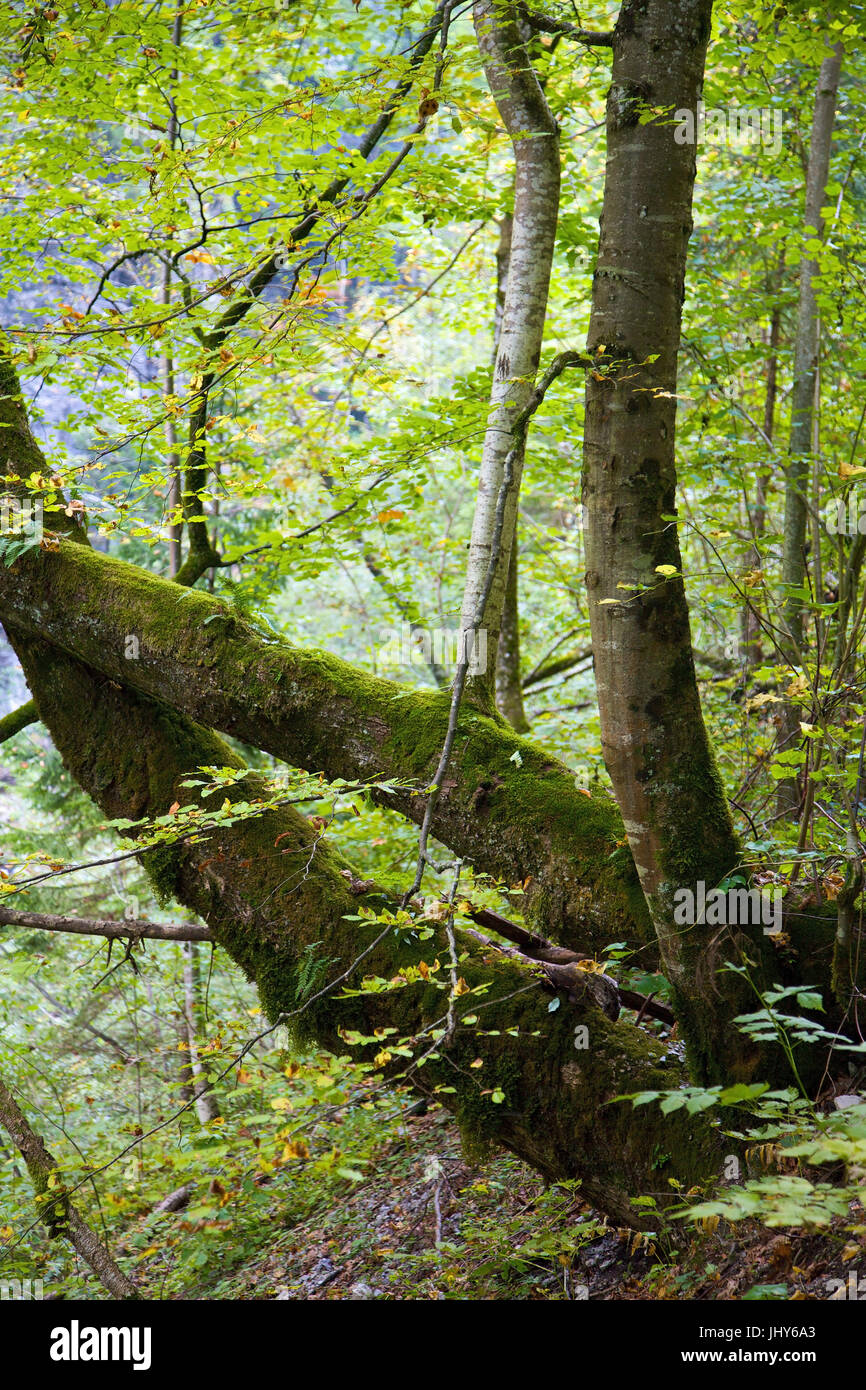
(133, 929)
(544, 24)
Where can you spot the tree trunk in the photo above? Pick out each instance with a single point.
(206, 1104)
(516, 820)
(803, 401)
(752, 654)
(521, 104)
(655, 744)
(509, 690)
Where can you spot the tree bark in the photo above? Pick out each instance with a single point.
(509, 688)
(129, 929)
(21, 718)
(314, 711)
(806, 342)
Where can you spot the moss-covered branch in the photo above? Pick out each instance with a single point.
(507, 805)
(21, 718)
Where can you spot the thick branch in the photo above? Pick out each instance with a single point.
(508, 806)
(277, 897)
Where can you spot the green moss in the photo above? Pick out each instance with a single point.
(162, 866)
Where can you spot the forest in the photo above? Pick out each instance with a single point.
(433, 654)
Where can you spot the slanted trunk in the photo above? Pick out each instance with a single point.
(56, 1211)
(272, 891)
(514, 819)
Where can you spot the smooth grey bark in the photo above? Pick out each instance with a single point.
(535, 138)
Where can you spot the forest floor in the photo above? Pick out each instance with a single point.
(427, 1225)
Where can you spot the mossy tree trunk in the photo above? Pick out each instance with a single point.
(515, 820)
